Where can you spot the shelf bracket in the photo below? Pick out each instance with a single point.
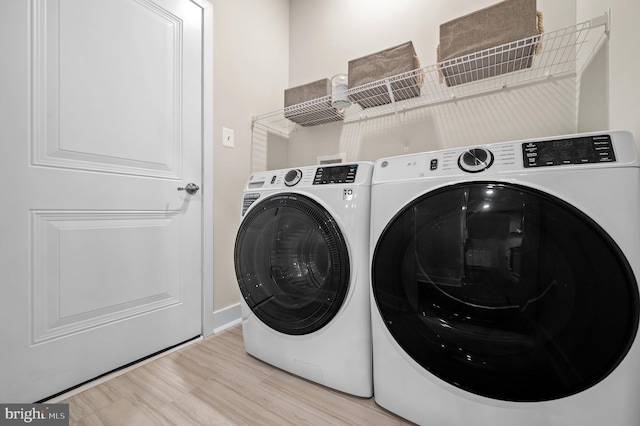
(405, 140)
(387, 83)
(602, 20)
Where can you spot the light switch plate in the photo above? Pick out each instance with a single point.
(227, 138)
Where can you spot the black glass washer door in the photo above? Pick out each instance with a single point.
(292, 264)
(505, 291)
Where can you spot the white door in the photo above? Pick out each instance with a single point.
(100, 123)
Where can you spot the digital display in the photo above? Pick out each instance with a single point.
(335, 174)
(592, 149)
(563, 144)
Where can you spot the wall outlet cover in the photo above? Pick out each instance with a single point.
(227, 138)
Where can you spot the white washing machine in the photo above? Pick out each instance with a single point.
(505, 283)
(302, 264)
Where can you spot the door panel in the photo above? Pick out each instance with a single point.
(67, 296)
(107, 80)
(101, 253)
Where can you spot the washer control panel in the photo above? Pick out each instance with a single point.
(335, 174)
(475, 160)
(581, 150)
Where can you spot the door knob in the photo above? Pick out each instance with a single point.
(191, 188)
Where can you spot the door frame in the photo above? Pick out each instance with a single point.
(207, 166)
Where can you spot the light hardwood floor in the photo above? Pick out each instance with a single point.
(215, 382)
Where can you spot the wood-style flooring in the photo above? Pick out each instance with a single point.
(215, 382)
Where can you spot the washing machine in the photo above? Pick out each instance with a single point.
(505, 283)
(302, 265)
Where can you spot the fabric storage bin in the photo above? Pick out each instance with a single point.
(378, 66)
(488, 42)
(312, 113)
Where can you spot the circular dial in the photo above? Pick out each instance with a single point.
(292, 177)
(475, 160)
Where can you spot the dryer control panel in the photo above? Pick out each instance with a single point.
(562, 153)
(580, 150)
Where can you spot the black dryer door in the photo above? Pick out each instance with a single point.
(292, 264)
(505, 291)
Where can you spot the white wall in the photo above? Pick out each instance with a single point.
(326, 34)
(249, 35)
(614, 104)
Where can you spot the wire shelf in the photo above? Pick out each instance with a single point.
(525, 61)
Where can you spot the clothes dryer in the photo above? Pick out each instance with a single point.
(505, 283)
(302, 264)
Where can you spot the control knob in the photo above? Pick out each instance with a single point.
(292, 177)
(475, 160)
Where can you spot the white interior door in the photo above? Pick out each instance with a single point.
(100, 123)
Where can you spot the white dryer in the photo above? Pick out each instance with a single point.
(505, 283)
(302, 264)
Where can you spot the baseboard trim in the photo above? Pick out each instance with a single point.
(226, 318)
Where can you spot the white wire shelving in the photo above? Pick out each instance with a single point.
(506, 66)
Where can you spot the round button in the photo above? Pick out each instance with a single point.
(292, 177)
(475, 160)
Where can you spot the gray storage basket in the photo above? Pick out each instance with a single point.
(310, 104)
(384, 64)
(492, 41)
